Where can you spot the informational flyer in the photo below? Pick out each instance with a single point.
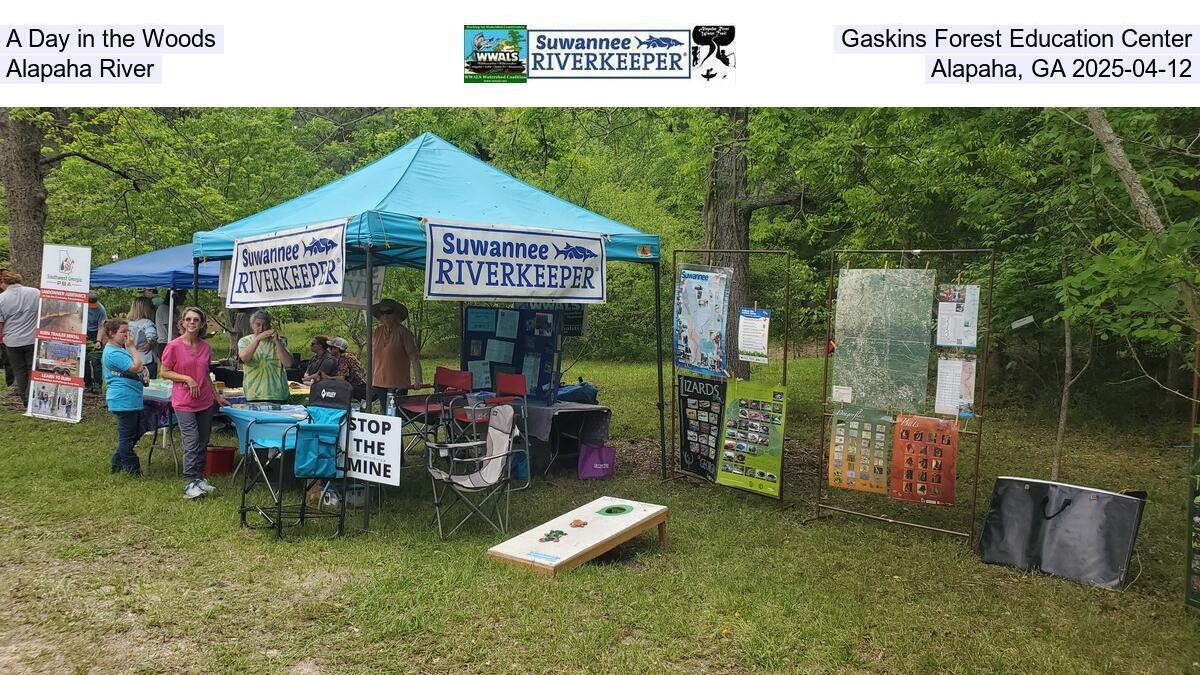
(753, 327)
(752, 451)
(481, 374)
(56, 381)
(957, 315)
(507, 321)
(481, 319)
(858, 449)
(701, 308)
(499, 351)
(924, 454)
(701, 403)
(955, 386)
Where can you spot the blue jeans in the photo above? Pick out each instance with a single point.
(129, 430)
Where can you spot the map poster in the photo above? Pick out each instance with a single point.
(858, 449)
(701, 402)
(701, 308)
(957, 315)
(924, 454)
(753, 327)
(1193, 557)
(752, 451)
(882, 328)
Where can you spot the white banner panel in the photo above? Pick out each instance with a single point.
(375, 445)
(356, 291)
(291, 267)
(506, 262)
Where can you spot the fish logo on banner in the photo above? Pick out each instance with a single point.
(501, 262)
(301, 265)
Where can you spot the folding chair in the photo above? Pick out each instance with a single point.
(421, 415)
(467, 416)
(317, 447)
(475, 472)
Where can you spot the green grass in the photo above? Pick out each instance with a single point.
(110, 573)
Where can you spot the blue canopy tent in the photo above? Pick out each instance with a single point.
(169, 268)
(388, 200)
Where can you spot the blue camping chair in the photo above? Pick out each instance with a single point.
(316, 447)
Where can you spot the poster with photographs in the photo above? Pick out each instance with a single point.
(858, 449)
(957, 315)
(701, 402)
(701, 309)
(56, 382)
(924, 450)
(752, 447)
(1193, 558)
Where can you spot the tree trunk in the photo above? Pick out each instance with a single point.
(727, 225)
(25, 188)
(1065, 403)
(1141, 200)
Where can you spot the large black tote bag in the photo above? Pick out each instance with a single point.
(1078, 533)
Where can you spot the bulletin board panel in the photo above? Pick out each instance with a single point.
(507, 340)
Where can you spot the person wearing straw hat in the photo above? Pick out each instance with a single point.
(396, 361)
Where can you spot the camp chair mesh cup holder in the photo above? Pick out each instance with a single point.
(475, 471)
(318, 451)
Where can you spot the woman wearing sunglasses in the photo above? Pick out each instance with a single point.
(185, 362)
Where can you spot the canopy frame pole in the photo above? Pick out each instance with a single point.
(369, 325)
(658, 345)
(171, 314)
(196, 281)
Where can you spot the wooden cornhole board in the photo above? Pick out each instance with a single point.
(610, 523)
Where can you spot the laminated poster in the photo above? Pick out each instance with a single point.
(924, 453)
(701, 308)
(957, 315)
(701, 404)
(529, 368)
(859, 448)
(752, 449)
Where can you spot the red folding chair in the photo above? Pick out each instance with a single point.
(423, 414)
(467, 417)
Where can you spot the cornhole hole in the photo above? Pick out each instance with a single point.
(610, 523)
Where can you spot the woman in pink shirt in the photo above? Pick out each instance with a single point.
(185, 362)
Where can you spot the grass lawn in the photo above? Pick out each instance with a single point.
(110, 573)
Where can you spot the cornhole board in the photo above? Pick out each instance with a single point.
(610, 523)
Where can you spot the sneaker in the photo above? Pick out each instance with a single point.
(204, 485)
(193, 490)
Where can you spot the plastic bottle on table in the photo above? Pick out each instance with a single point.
(391, 404)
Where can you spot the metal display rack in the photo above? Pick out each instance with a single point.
(823, 509)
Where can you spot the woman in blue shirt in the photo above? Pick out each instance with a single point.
(123, 372)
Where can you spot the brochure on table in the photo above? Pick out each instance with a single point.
(508, 340)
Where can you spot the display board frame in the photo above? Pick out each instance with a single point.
(670, 468)
(821, 502)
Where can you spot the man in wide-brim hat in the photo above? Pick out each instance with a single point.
(396, 360)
